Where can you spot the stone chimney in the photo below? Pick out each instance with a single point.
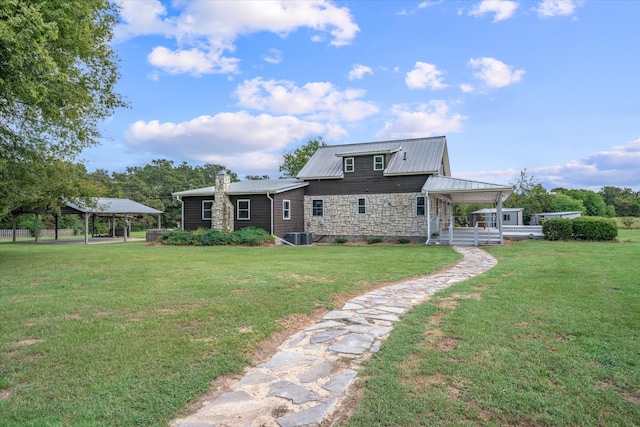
(222, 218)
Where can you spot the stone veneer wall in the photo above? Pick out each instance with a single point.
(388, 216)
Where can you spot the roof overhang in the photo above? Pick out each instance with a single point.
(465, 191)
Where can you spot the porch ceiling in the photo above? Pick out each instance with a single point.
(465, 191)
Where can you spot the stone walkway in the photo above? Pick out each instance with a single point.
(305, 381)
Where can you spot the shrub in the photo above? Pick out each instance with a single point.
(628, 222)
(557, 229)
(249, 236)
(340, 240)
(403, 240)
(594, 228)
(373, 240)
(179, 237)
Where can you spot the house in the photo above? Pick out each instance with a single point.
(488, 217)
(389, 189)
(539, 218)
(275, 205)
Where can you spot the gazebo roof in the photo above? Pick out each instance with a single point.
(111, 206)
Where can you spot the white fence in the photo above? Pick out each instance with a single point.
(24, 233)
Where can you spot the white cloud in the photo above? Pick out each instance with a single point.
(502, 9)
(240, 141)
(193, 61)
(274, 56)
(429, 3)
(495, 73)
(429, 119)
(617, 167)
(424, 75)
(205, 30)
(141, 18)
(358, 71)
(317, 100)
(466, 88)
(550, 8)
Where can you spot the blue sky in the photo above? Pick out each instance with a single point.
(552, 86)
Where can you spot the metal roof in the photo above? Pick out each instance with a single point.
(466, 191)
(407, 157)
(258, 186)
(110, 206)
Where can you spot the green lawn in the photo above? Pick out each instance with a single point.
(129, 334)
(550, 336)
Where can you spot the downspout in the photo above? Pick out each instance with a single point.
(269, 197)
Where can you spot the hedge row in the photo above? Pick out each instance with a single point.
(249, 236)
(581, 228)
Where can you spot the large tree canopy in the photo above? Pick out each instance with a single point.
(294, 161)
(57, 78)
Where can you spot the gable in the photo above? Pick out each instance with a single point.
(419, 156)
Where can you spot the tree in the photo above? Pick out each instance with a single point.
(293, 162)
(564, 203)
(530, 195)
(593, 202)
(57, 77)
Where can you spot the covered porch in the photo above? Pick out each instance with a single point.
(442, 193)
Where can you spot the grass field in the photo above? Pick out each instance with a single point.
(550, 336)
(129, 334)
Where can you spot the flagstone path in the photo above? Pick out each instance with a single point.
(306, 380)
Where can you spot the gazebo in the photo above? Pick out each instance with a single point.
(112, 208)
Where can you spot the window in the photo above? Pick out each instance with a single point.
(362, 205)
(286, 209)
(378, 163)
(317, 207)
(243, 208)
(349, 164)
(421, 205)
(207, 207)
(506, 217)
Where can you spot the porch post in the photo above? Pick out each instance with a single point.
(499, 213)
(428, 217)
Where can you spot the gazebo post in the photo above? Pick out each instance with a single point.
(36, 226)
(86, 228)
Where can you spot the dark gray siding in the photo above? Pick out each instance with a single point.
(296, 223)
(259, 212)
(365, 180)
(193, 213)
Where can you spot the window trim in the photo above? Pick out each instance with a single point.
(349, 162)
(362, 208)
(248, 210)
(381, 162)
(286, 209)
(203, 210)
(422, 205)
(314, 208)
